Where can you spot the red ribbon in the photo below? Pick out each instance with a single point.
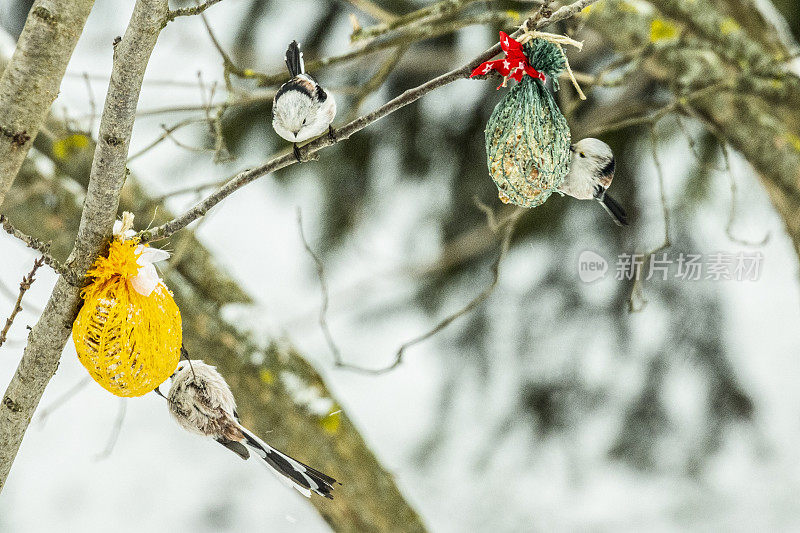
(514, 65)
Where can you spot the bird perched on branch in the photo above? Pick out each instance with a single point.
(590, 173)
(202, 402)
(301, 109)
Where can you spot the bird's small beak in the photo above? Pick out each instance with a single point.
(572, 148)
(158, 391)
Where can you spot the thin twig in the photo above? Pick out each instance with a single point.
(679, 104)
(404, 36)
(188, 189)
(63, 399)
(180, 144)
(24, 285)
(92, 104)
(323, 286)
(732, 211)
(246, 100)
(377, 79)
(507, 231)
(166, 133)
(441, 9)
(345, 132)
(188, 11)
(228, 66)
(373, 10)
(115, 431)
(636, 291)
(41, 247)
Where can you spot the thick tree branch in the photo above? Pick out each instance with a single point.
(30, 82)
(345, 132)
(48, 337)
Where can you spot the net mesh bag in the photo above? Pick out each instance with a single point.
(527, 137)
(129, 343)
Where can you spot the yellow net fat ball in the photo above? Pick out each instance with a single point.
(128, 333)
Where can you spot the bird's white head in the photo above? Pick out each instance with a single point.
(187, 369)
(301, 110)
(592, 165)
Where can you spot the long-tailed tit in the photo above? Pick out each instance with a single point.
(202, 402)
(590, 173)
(301, 109)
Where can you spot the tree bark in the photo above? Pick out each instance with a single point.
(31, 80)
(47, 338)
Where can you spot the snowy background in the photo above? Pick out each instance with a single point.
(459, 428)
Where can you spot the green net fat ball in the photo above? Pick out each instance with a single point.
(527, 136)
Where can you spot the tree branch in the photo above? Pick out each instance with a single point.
(373, 10)
(506, 230)
(439, 9)
(48, 337)
(412, 95)
(31, 80)
(26, 283)
(41, 247)
(188, 11)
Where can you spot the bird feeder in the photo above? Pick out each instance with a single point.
(527, 136)
(128, 332)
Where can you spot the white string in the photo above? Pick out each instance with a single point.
(558, 40)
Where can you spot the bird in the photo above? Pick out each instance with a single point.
(201, 402)
(302, 109)
(590, 173)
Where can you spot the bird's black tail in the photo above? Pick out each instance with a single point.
(614, 209)
(294, 473)
(294, 60)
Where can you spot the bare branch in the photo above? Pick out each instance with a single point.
(403, 36)
(188, 11)
(41, 247)
(167, 131)
(377, 79)
(441, 9)
(115, 431)
(732, 211)
(412, 95)
(323, 287)
(59, 402)
(26, 283)
(228, 66)
(507, 231)
(636, 291)
(372, 9)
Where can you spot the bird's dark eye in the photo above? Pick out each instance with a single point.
(582, 154)
(304, 121)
